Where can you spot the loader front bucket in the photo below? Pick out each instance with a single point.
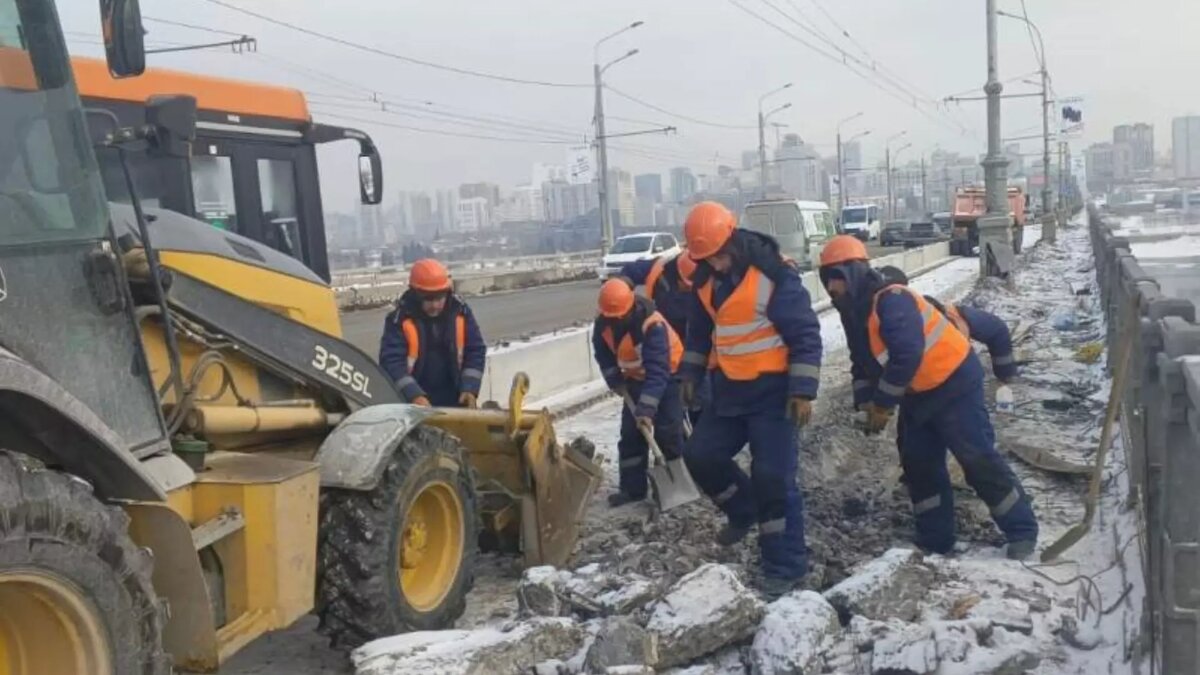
(533, 491)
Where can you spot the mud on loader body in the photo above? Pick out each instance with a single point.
(182, 427)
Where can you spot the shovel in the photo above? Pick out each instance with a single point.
(672, 483)
(1078, 531)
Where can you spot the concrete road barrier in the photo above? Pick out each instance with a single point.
(557, 363)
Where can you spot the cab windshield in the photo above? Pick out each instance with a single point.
(49, 186)
(858, 215)
(638, 244)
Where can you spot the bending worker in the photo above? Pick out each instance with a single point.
(639, 355)
(431, 345)
(976, 324)
(668, 282)
(751, 309)
(904, 351)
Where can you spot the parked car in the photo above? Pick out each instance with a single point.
(944, 222)
(894, 232)
(800, 227)
(920, 234)
(634, 247)
(861, 221)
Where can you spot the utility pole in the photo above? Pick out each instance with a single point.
(995, 238)
(762, 135)
(841, 172)
(606, 228)
(887, 153)
(1048, 223)
(924, 189)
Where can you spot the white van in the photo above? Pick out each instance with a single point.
(800, 227)
(861, 221)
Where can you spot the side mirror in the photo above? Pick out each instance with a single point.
(124, 37)
(370, 176)
(172, 123)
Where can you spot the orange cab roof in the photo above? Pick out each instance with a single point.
(212, 93)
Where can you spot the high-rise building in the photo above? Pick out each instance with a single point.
(447, 210)
(524, 205)
(1140, 138)
(474, 214)
(621, 200)
(565, 201)
(749, 160)
(649, 186)
(800, 172)
(1098, 160)
(489, 191)
(683, 184)
(1185, 146)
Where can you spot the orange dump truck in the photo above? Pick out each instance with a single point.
(970, 204)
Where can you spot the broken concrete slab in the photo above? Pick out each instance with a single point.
(888, 587)
(537, 593)
(487, 651)
(628, 670)
(795, 630)
(904, 649)
(703, 612)
(956, 639)
(592, 590)
(621, 642)
(1009, 613)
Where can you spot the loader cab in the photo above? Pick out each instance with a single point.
(253, 169)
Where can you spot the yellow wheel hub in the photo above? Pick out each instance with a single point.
(430, 547)
(48, 626)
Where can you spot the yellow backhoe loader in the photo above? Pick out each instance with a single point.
(190, 456)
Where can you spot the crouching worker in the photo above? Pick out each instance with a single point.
(905, 352)
(431, 346)
(639, 354)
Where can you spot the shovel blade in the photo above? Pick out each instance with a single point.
(673, 485)
(1069, 539)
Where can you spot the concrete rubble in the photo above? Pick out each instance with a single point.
(511, 648)
(889, 587)
(795, 631)
(703, 612)
(621, 642)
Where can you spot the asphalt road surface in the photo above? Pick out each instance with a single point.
(510, 315)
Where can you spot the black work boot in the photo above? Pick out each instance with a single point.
(731, 534)
(773, 588)
(1020, 550)
(622, 498)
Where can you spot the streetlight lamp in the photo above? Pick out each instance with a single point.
(843, 192)
(841, 175)
(887, 149)
(606, 230)
(1048, 224)
(762, 138)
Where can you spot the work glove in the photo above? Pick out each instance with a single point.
(687, 392)
(877, 418)
(422, 401)
(646, 424)
(468, 400)
(799, 410)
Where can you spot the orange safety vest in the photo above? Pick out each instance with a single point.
(945, 350)
(655, 275)
(629, 355)
(413, 337)
(744, 339)
(957, 319)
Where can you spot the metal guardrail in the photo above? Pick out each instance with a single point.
(1161, 428)
(465, 268)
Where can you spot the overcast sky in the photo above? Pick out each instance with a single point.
(705, 59)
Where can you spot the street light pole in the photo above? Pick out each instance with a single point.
(841, 173)
(891, 193)
(887, 153)
(606, 228)
(762, 136)
(994, 239)
(1048, 225)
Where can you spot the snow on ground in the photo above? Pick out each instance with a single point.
(1179, 247)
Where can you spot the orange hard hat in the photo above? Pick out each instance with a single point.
(429, 275)
(687, 266)
(843, 248)
(708, 227)
(616, 298)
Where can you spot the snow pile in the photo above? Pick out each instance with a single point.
(703, 612)
(794, 634)
(508, 649)
(1179, 247)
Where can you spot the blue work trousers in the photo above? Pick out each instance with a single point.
(632, 449)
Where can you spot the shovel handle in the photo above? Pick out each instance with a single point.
(654, 449)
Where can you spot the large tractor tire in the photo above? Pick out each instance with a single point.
(75, 592)
(401, 557)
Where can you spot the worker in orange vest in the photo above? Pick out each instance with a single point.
(753, 317)
(905, 352)
(667, 281)
(639, 355)
(431, 345)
